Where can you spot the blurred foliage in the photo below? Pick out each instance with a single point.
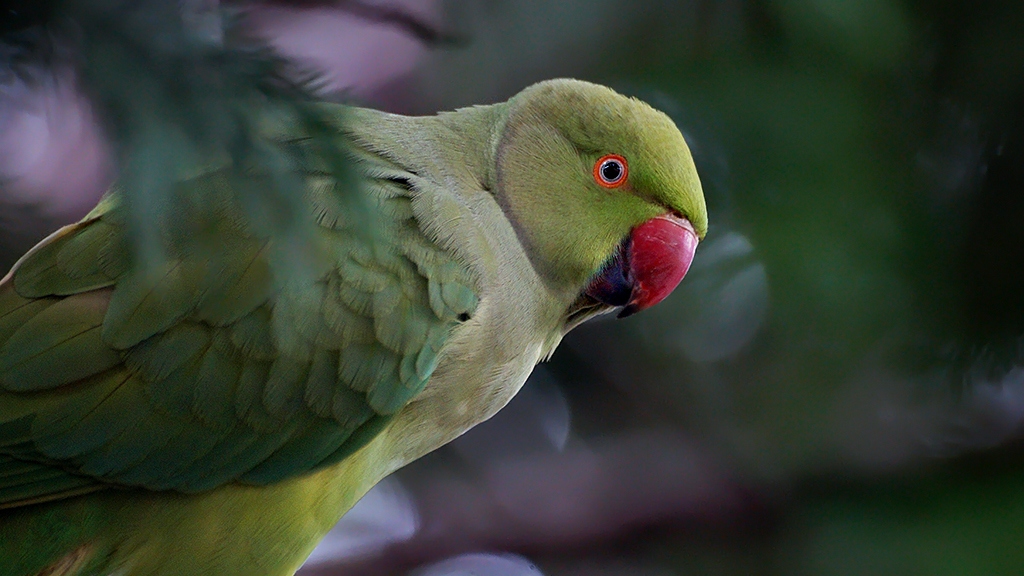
(180, 87)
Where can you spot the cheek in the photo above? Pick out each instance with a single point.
(548, 195)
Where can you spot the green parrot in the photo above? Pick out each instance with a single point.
(203, 417)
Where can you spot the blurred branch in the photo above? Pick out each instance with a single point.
(409, 23)
(548, 502)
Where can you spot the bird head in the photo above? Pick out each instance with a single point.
(602, 192)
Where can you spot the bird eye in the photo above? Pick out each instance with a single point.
(610, 171)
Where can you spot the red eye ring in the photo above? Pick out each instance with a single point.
(611, 171)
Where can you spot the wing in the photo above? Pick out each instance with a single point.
(207, 370)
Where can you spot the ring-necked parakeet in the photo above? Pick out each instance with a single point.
(205, 418)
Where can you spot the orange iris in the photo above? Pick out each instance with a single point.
(611, 171)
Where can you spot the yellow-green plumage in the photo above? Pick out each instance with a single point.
(204, 417)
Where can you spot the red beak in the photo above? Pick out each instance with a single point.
(649, 265)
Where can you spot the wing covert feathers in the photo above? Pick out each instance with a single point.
(207, 369)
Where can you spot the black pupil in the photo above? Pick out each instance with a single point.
(611, 171)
